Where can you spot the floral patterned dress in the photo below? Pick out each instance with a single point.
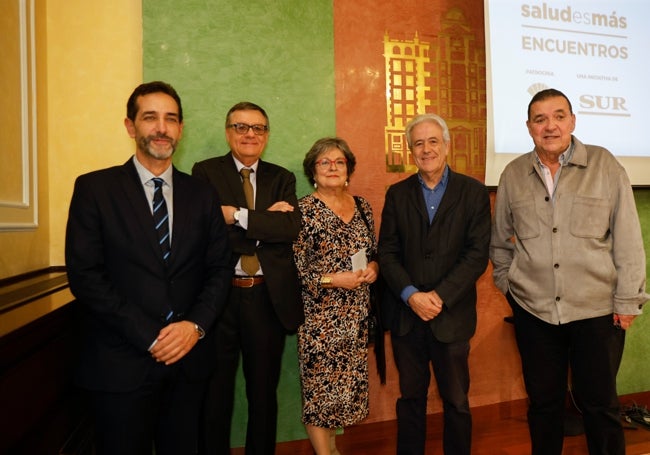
(332, 342)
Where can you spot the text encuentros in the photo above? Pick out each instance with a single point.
(595, 26)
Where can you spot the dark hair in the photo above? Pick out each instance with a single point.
(321, 146)
(548, 93)
(146, 89)
(247, 106)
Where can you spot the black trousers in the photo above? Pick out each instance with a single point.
(249, 326)
(414, 352)
(593, 348)
(163, 413)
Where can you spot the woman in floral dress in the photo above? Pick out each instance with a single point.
(332, 342)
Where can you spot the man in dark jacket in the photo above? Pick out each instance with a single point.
(260, 207)
(433, 246)
(147, 258)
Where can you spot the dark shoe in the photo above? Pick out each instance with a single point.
(636, 414)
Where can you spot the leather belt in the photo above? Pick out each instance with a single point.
(247, 281)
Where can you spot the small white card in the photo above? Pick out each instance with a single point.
(359, 260)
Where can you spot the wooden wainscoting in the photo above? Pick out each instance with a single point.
(39, 406)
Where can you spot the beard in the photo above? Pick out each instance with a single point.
(145, 143)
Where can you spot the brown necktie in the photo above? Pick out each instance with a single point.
(249, 264)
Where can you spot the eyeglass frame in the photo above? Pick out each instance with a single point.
(258, 129)
(326, 163)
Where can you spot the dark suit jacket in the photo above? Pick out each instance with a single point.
(447, 256)
(117, 273)
(270, 233)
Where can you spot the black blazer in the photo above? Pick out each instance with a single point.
(447, 256)
(117, 273)
(270, 233)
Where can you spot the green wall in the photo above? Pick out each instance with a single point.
(278, 54)
(634, 375)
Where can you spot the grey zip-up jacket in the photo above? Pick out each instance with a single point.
(578, 255)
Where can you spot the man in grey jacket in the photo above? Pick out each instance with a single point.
(568, 254)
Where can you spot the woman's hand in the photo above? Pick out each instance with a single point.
(371, 273)
(346, 280)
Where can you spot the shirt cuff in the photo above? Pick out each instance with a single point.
(153, 344)
(243, 218)
(407, 292)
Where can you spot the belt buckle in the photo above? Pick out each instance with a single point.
(250, 278)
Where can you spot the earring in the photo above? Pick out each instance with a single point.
(346, 183)
(315, 185)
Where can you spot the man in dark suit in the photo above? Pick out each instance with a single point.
(433, 246)
(264, 303)
(149, 291)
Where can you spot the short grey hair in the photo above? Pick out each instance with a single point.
(426, 118)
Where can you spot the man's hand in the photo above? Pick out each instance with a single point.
(174, 342)
(624, 321)
(281, 206)
(229, 210)
(427, 305)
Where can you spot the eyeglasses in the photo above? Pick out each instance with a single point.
(242, 128)
(327, 163)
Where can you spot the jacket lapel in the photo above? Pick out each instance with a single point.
(416, 199)
(139, 207)
(263, 180)
(450, 198)
(180, 221)
(232, 183)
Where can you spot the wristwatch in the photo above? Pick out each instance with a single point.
(199, 330)
(326, 282)
(235, 215)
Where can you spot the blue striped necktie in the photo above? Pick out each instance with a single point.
(161, 217)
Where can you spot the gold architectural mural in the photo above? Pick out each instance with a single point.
(445, 77)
